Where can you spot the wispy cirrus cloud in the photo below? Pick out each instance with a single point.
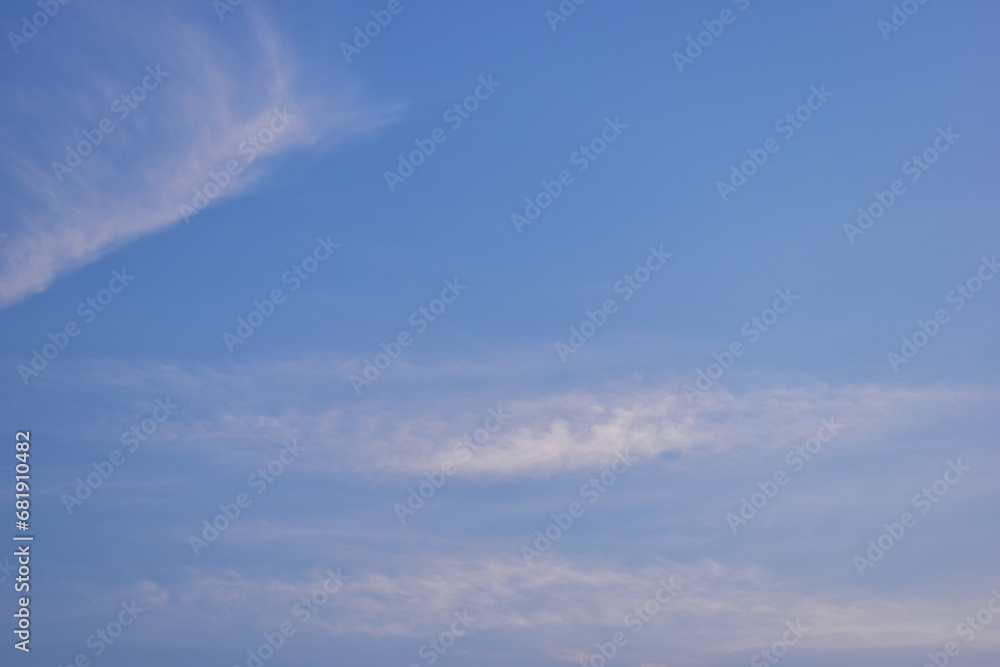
(237, 413)
(566, 606)
(215, 89)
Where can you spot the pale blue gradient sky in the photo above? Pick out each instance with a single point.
(322, 177)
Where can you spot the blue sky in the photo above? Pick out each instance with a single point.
(711, 334)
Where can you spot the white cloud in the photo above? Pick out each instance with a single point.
(251, 408)
(718, 609)
(406, 584)
(223, 86)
